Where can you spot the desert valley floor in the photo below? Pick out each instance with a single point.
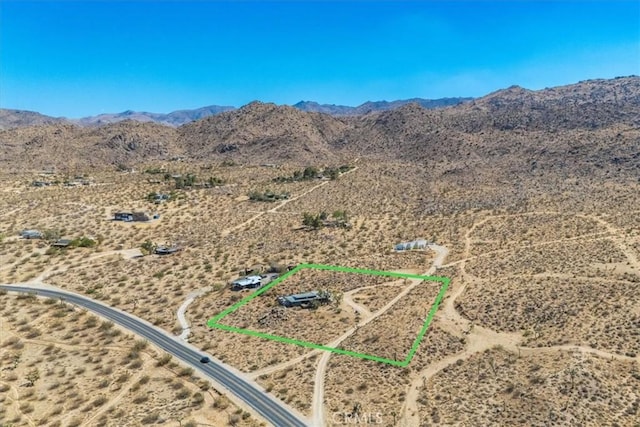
(540, 324)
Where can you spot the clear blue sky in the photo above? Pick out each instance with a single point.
(66, 58)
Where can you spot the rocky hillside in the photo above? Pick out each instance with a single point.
(175, 118)
(67, 146)
(590, 104)
(10, 119)
(261, 131)
(590, 129)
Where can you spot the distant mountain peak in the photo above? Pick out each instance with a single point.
(258, 104)
(506, 129)
(586, 91)
(376, 106)
(302, 104)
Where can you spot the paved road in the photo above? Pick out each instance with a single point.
(268, 407)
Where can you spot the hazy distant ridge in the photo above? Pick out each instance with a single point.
(19, 118)
(10, 119)
(376, 106)
(584, 129)
(175, 118)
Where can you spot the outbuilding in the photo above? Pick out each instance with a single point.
(31, 234)
(130, 216)
(249, 282)
(303, 300)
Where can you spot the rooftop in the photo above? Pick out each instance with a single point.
(247, 280)
(306, 295)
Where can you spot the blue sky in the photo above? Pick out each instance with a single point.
(73, 59)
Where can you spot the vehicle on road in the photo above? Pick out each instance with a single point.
(275, 412)
(205, 359)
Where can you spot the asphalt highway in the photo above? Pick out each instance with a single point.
(268, 407)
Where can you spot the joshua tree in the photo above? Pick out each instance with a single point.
(33, 376)
(310, 220)
(51, 235)
(148, 247)
(572, 373)
(336, 298)
(309, 172)
(340, 215)
(16, 360)
(492, 364)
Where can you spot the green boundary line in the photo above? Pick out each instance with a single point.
(214, 321)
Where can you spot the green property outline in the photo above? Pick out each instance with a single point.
(214, 321)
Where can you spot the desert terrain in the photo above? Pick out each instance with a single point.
(530, 205)
(63, 366)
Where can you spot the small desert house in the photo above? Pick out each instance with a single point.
(167, 250)
(249, 282)
(61, 243)
(130, 216)
(303, 300)
(415, 244)
(160, 197)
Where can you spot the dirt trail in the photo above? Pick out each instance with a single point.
(616, 237)
(274, 368)
(347, 299)
(126, 254)
(479, 338)
(15, 399)
(582, 238)
(317, 408)
(184, 323)
(577, 348)
(114, 400)
(228, 231)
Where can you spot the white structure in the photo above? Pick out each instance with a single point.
(249, 282)
(31, 234)
(414, 244)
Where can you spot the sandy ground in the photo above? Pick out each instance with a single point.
(550, 281)
(61, 366)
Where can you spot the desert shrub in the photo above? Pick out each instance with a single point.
(197, 399)
(183, 394)
(100, 400)
(150, 418)
(141, 398)
(74, 422)
(185, 372)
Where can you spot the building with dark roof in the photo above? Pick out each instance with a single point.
(130, 216)
(305, 299)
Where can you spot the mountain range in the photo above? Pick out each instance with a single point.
(589, 130)
(10, 118)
